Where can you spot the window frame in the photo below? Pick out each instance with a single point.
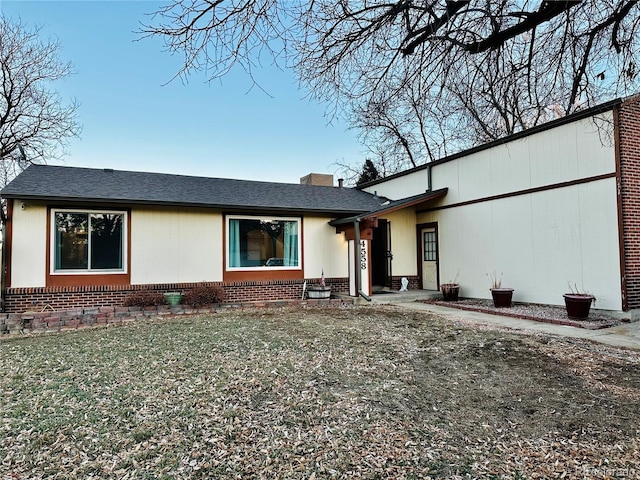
(261, 268)
(88, 271)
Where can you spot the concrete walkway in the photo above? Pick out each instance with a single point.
(626, 335)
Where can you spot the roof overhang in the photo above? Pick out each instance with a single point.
(254, 209)
(393, 206)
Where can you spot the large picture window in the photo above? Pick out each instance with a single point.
(259, 243)
(88, 241)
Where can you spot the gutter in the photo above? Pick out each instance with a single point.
(3, 221)
(226, 208)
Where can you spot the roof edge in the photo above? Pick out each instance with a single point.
(603, 107)
(240, 208)
(393, 206)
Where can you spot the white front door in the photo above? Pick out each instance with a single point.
(429, 258)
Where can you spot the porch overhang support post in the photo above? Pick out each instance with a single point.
(358, 253)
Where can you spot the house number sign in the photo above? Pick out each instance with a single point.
(363, 254)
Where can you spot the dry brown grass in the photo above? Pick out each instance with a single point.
(369, 392)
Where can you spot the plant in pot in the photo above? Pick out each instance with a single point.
(578, 303)
(173, 298)
(450, 290)
(501, 296)
(320, 290)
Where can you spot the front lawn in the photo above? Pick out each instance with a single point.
(368, 392)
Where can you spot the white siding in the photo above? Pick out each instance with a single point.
(171, 245)
(563, 154)
(540, 242)
(29, 245)
(403, 243)
(404, 186)
(324, 249)
(175, 245)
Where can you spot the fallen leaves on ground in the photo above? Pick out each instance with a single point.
(351, 392)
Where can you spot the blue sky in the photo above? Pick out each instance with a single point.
(133, 120)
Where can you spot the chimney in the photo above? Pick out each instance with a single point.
(323, 179)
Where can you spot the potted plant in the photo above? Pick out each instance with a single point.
(501, 296)
(578, 303)
(450, 290)
(173, 298)
(321, 290)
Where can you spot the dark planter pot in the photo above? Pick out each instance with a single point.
(450, 292)
(502, 297)
(578, 306)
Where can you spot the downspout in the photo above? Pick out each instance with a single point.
(428, 178)
(356, 226)
(3, 220)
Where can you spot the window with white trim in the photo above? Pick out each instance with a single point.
(88, 241)
(258, 243)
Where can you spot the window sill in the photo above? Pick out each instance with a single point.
(89, 278)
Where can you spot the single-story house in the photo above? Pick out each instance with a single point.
(552, 206)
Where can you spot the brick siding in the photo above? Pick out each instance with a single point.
(628, 126)
(18, 300)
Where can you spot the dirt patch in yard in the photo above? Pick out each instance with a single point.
(351, 392)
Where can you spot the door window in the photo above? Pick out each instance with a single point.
(429, 246)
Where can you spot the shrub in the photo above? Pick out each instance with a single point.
(204, 295)
(144, 299)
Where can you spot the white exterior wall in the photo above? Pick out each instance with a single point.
(540, 241)
(176, 245)
(323, 249)
(170, 245)
(403, 242)
(29, 245)
(563, 154)
(404, 186)
(187, 245)
(538, 246)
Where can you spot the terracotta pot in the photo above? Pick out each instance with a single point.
(578, 306)
(502, 297)
(450, 292)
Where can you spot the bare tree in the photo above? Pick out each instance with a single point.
(422, 78)
(34, 123)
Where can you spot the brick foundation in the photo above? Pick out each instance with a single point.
(18, 300)
(414, 282)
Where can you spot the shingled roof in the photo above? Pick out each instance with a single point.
(88, 185)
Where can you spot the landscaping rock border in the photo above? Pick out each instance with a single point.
(76, 318)
(536, 312)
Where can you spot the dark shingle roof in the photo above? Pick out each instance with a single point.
(55, 183)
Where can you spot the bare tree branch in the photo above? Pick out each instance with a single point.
(420, 78)
(34, 124)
